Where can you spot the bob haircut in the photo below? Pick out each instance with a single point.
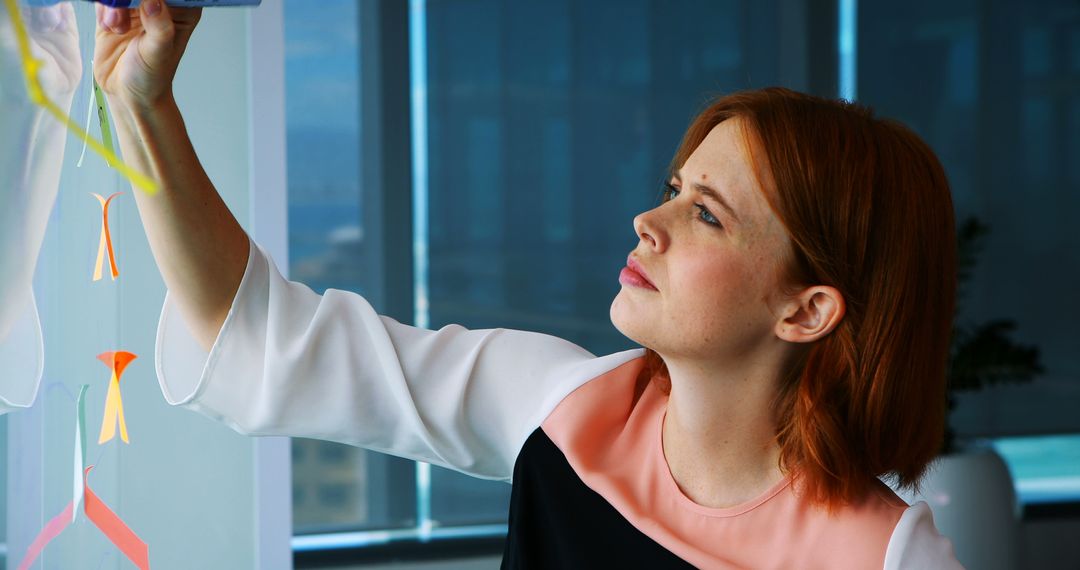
(867, 208)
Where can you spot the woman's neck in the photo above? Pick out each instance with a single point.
(719, 433)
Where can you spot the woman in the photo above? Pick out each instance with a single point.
(794, 292)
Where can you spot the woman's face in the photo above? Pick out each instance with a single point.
(713, 253)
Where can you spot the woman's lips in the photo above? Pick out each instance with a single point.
(633, 275)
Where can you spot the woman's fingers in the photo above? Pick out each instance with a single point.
(157, 50)
(115, 20)
(157, 20)
(137, 50)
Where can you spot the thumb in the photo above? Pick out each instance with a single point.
(156, 47)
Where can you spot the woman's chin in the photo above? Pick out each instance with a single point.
(627, 322)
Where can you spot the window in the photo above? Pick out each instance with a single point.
(335, 487)
(1046, 469)
(993, 88)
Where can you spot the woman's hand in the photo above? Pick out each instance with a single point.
(138, 50)
(54, 41)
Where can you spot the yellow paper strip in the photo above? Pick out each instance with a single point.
(37, 96)
(114, 411)
(114, 405)
(105, 242)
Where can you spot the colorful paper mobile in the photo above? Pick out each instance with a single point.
(37, 96)
(114, 406)
(106, 239)
(96, 511)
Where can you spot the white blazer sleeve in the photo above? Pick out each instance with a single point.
(916, 543)
(288, 361)
(21, 354)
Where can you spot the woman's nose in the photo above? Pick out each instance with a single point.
(650, 231)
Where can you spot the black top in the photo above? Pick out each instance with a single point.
(556, 521)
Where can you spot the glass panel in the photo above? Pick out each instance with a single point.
(546, 137)
(987, 85)
(153, 471)
(3, 489)
(335, 487)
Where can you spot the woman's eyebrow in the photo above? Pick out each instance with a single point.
(711, 192)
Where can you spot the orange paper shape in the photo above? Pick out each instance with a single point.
(114, 528)
(104, 518)
(114, 405)
(106, 239)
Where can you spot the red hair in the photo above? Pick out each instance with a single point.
(867, 208)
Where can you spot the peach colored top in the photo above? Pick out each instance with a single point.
(609, 429)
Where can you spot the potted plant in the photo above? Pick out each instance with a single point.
(969, 488)
(982, 354)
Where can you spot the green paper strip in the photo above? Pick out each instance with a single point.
(103, 117)
(82, 428)
(80, 450)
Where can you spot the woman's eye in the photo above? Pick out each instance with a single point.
(706, 216)
(670, 193)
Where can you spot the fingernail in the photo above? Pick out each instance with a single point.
(112, 19)
(153, 7)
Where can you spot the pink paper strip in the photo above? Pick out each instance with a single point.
(51, 531)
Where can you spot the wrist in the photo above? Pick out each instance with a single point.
(144, 118)
(137, 107)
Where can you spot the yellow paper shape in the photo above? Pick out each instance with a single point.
(37, 96)
(114, 410)
(114, 405)
(106, 239)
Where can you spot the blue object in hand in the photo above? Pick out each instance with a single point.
(173, 3)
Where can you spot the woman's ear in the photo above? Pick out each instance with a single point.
(811, 314)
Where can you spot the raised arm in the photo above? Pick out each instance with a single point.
(198, 245)
(31, 144)
(31, 156)
(240, 344)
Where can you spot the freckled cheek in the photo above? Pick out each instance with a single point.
(716, 288)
